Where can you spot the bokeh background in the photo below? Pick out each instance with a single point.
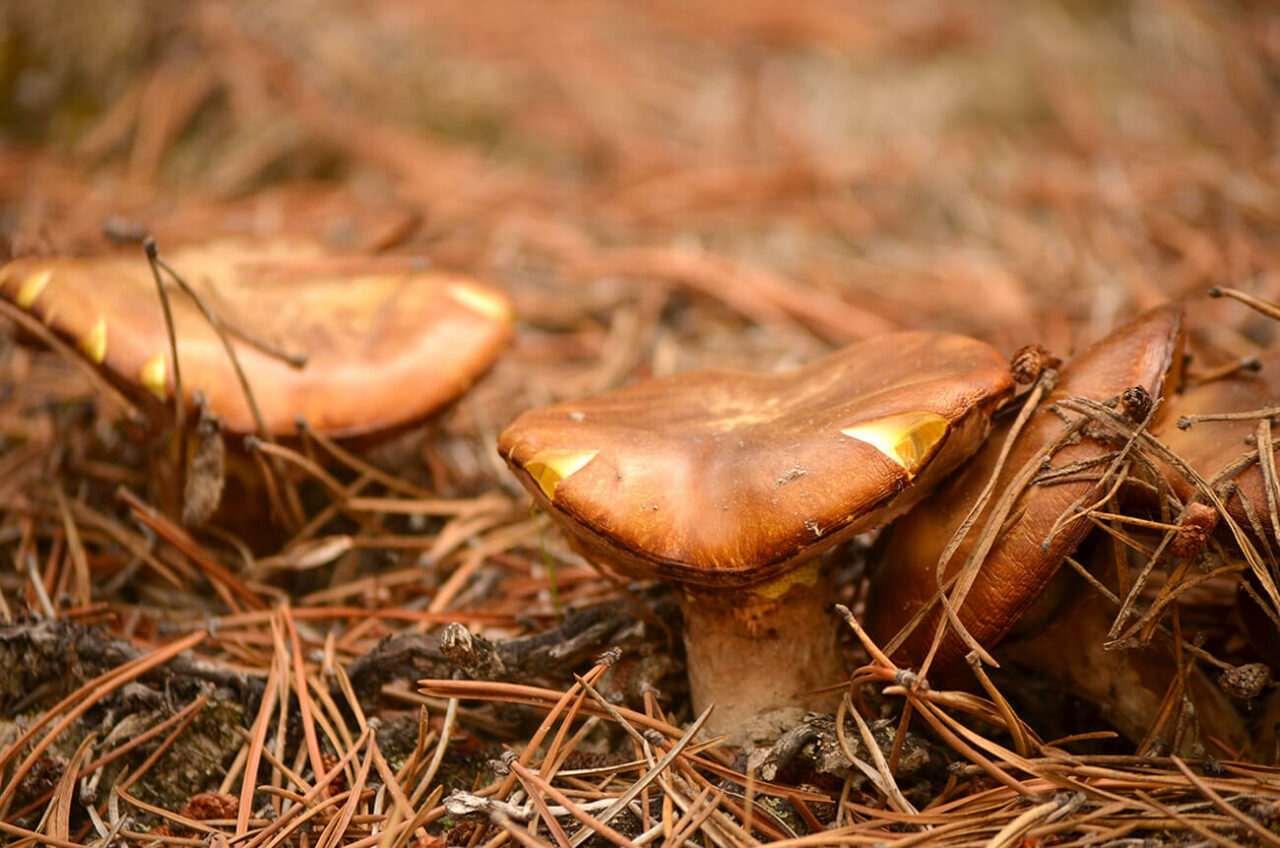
(766, 178)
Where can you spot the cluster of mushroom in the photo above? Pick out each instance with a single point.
(730, 486)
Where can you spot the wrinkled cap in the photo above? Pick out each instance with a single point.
(1213, 447)
(385, 344)
(727, 478)
(1144, 353)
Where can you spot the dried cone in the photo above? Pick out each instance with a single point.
(728, 485)
(1136, 403)
(385, 344)
(1245, 681)
(1193, 531)
(1029, 362)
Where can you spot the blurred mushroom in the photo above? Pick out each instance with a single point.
(1224, 452)
(1221, 449)
(384, 342)
(729, 484)
(1024, 556)
(1063, 636)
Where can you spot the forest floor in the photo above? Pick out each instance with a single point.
(657, 186)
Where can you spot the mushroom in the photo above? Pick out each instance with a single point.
(1024, 556)
(1215, 448)
(385, 343)
(1066, 626)
(1128, 685)
(728, 485)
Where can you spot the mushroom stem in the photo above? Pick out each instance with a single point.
(756, 654)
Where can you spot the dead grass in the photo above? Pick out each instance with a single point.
(658, 186)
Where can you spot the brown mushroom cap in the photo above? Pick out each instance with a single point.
(385, 344)
(1211, 447)
(1018, 567)
(723, 478)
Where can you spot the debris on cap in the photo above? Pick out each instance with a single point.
(1197, 524)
